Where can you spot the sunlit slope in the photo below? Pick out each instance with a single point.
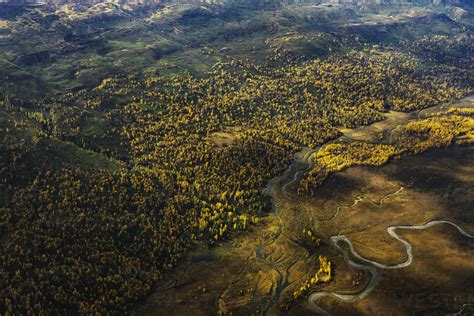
(70, 47)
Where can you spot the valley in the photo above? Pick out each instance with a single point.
(259, 272)
(236, 157)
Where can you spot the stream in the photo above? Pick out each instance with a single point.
(253, 272)
(370, 264)
(367, 265)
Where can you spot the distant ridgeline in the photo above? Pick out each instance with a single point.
(243, 2)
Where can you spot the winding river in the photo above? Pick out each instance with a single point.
(367, 265)
(370, 264)
(255, 271)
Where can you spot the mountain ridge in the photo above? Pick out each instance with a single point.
(258, 3)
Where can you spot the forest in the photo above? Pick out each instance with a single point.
(104, 190)
(416, 137)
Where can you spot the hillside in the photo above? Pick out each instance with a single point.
(201, 158)
(86, 44)
(248, 2)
